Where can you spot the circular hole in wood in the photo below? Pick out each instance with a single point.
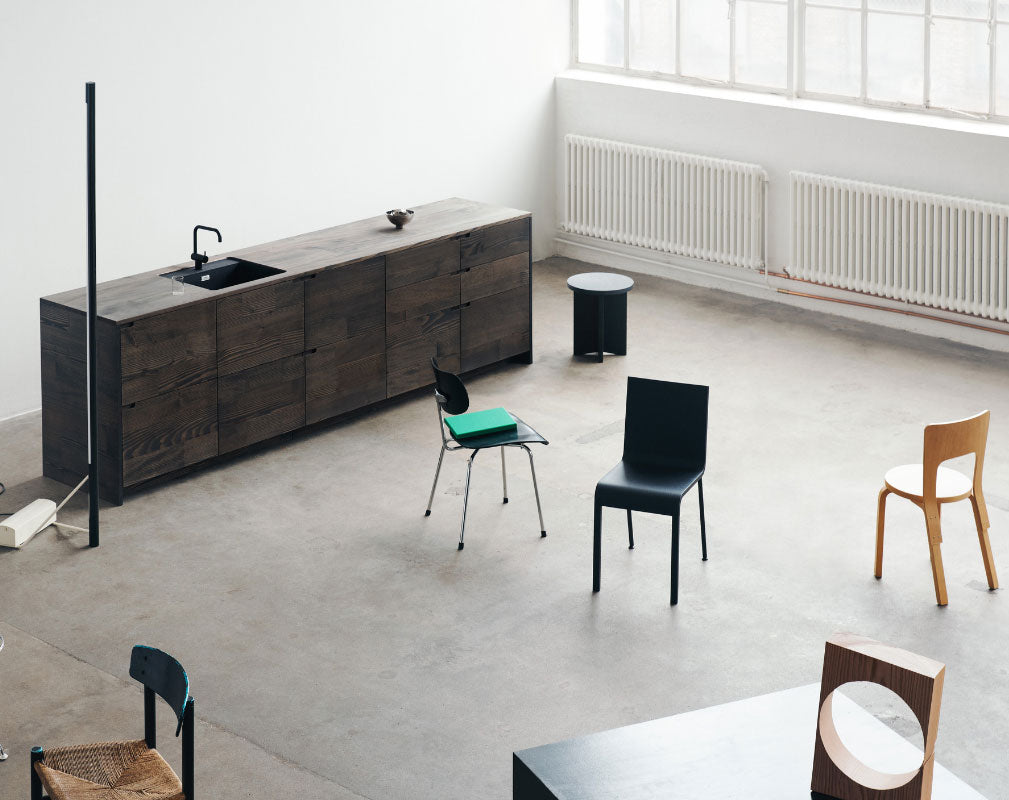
(871, 735)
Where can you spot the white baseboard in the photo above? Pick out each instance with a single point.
(988, 334)
(20, 414)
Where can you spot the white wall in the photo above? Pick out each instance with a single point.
(963, 158)
(261, 118)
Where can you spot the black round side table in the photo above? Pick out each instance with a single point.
(600, 322)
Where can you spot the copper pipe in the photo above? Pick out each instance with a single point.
(904, 311)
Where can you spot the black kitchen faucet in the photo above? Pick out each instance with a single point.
(198, 258)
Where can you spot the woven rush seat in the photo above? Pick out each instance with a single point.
(108, 771)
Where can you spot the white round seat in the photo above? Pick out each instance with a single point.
(950, 485)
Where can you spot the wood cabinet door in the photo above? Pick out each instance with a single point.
(168, 351)
(411, 344)
(494, 242)
(260, 402)
(495, 327)
(344, 302)
(170, 431)
(260, 325)
(343, 376)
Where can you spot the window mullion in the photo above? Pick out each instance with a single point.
(627, 34)
(731, 9)
(992, 43)
(864, 88)
(679, 40)
(927, 70)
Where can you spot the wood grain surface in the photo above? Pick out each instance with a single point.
(345, 302)
(264, 325)
(260, 403)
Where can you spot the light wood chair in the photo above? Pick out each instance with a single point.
(929, 485)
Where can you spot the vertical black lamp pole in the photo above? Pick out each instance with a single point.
(89, 98)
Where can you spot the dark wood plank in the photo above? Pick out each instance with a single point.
(261, 402)
(63, 330)
(335, 387)
(418, 299)
(345, 302)
(495, 277)
(494, 242)
(170, 431)
(411, 345)
(127, 299)
(167, 351)
(495, 328)
(260, 326)
(422, 263)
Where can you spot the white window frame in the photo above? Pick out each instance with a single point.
(796, 10)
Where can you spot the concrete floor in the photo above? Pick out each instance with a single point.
(339, 645)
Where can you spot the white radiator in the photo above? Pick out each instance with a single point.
(687, 205)
(931, 249)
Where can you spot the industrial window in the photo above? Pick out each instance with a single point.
(944, 56)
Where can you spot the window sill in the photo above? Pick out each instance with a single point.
(976, 127)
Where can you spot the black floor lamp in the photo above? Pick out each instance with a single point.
(89, 98)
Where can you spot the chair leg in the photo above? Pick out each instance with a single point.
(630, 531)
(37, 755)
(674, 561)
(465, 498)
(935, 553)
(704, 537)
(880, 517)
(597, 533)
(982, 534)
(536, 489)
(434, 486)
(504, 478)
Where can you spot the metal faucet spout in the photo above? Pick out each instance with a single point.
(198, 258)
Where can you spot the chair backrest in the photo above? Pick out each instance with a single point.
(163, 675)
(666, 423)
(451, 388)
(946, 440)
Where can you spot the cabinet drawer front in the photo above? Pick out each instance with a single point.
(261, 402)
(169, 432)
(412, 344)
(496, 328)
(167, 351)
(260, 326)
(418, 299)
(497, 241)
(344, 302)
(335, 386)
(495, 277)
(422, 263)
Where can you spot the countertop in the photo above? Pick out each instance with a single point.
(126, 299)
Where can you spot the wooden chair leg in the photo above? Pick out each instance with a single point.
(980, 520)
(880, 517)
(935, 553)
(597, 532)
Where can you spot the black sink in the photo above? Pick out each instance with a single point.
(223, 273)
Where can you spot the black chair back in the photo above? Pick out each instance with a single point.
(164, 676)
(452, 389)
(666, 424)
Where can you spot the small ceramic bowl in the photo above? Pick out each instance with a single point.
(400, 216)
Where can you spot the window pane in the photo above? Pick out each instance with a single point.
(896, 58)
(1003, 11)
(653, 35)
(959, 68)
(601, 32)
(762, 44)
(976, 9)
(704, 38)
(833, 51)
(1002, 71)
(916, 6)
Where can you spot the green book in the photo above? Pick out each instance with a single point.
(478, 423)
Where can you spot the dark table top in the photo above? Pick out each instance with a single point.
(600, 283)
(758, 749)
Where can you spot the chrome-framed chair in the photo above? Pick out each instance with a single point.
(453, 399)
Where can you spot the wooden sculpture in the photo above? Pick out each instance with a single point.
(917, 680)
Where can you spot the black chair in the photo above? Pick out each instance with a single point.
(453, 399)
(665, 443)
(132, 769)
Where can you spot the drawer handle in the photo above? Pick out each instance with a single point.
(463, 236)
(460, 306)
(310, 352)
(132, 405)
(308, 277)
